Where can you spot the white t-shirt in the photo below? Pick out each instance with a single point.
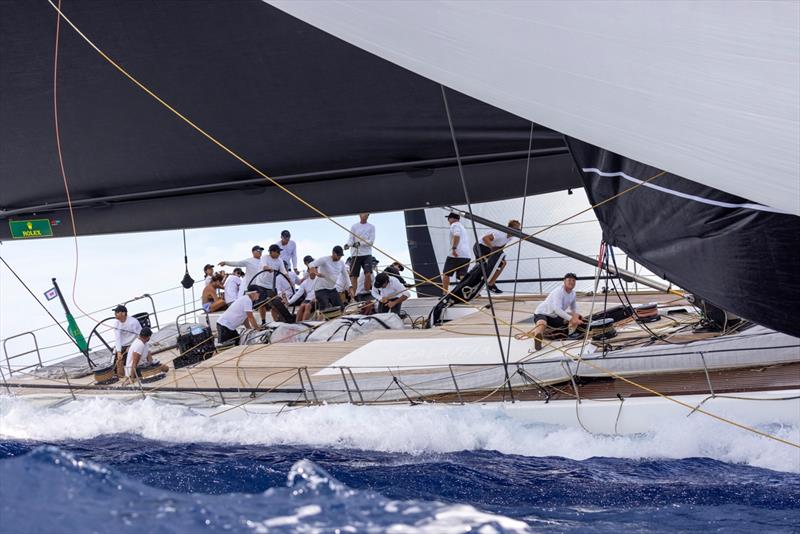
(208, 280)
(330, 273)
(393, 290)
(360, 289)
(233, 288)
(499, 239)
(557, 304)
(236, 313)
(267, 280)
(139, 347)
(251, 266)
(305, 293)
(289, 253)
(463, 248)
(286, 287)
(361, 245)
(125, 333)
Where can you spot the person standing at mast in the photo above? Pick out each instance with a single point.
(361, 238)
(458, 257)
(288, 251)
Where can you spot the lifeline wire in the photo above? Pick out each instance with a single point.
(322, 214)
(477, 245)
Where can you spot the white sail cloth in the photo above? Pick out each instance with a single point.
(706, 90)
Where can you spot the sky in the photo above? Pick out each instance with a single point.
(115, 268)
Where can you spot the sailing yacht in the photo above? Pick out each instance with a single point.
(287, 110)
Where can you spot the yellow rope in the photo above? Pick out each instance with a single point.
(294, 195)
(324, 215)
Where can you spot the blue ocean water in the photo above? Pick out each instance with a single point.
(127, 483)
(99, 465)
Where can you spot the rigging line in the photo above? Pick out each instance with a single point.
(681, 403)
(249, 165)
(421, 277)
(214, 140)
(224, 147)
(519, 243)
(477, 242)
(39, 302)
(57, 128)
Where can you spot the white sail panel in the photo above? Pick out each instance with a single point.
(706, 90)
(581, 234)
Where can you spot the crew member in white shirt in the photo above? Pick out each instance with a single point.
(234, 288)
(264, 282)
(252, 266)
(458, 257)
(390, 293)
(285, 286)
(138, 354)
(304, 298)
(330, 271)
(208, 272)
(493, 242)
(288, 251)
(361, 238)
(126, 330)
(237, 314)
(559, 311)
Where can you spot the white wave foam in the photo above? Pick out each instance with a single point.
(413, 430)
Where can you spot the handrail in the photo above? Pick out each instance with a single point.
(190, 312)
(36, 350)
(152, 304)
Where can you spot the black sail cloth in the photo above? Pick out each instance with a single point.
(741, 256)
(344, 129)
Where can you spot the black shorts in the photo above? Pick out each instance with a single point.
(457, 266)
(383, 308)
(226, 334)
(552, 322)
(359, 263)
(265, 296)
(328, 298)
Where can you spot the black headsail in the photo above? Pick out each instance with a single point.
(741, 256)
(342, 128)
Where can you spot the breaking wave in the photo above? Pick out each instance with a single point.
(413, 430)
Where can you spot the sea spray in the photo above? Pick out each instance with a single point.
(415, 430)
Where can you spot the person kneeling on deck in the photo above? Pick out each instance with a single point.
(390, 293)
(126, 329)
(239, 313)
(494, 242)
(138, 354)
(329, 271)
(210, 300)
(304, 297)
(559, 310)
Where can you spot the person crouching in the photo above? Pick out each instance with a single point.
(138, 354)
(237, 314)
(390, 293)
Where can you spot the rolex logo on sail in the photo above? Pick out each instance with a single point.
(31, 229)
